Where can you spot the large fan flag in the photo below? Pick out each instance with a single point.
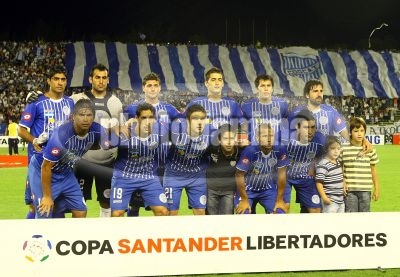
(181, 67)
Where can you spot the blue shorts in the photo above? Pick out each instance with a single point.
(65, 190)
(122, 189)
(306, 192)
(194, 185)
(267, 199)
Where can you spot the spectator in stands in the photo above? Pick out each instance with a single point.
(12, 133)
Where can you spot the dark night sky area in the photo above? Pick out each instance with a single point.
(319, 24)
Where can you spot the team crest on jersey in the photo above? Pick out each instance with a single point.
(181, 150)
(310, 155)
(218, 122)
(66, 110)
(275, 110)
(245, 161)
(257, 167)
(162, 113)
(226, 111)
(27, 116)
(214, 158)
(233, 163)
(153, 145)
(272, 162)
(48, 113)
(323, 120)
(256, 114)
(338, 121)
(134, 153)
(200, 145)
(55, 151)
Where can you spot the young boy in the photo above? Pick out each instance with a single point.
(359, 170)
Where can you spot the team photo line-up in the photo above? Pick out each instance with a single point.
(228, 157)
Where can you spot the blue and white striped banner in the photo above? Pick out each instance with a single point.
(360, 73)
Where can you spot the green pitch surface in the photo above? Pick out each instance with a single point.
(12, 185)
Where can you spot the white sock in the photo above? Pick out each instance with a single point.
(105, 212)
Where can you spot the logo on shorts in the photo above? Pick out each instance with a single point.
(106, 193)
(203, 200)
(163, 198)
(315, 199)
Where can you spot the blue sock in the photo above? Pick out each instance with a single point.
(30, 215)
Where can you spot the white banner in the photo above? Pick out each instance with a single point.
(148, 246)
(376, 139)
(4, 141)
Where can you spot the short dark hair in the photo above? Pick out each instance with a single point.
(357, 122)
(303, 115)
(145, 107)
(99, 67)
(84, 104)
(57, 69)
(194, 108)
(310, 84)
(263, 77)
(225, 128)
(211, 71)
(151, 77)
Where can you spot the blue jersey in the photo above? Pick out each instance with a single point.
(302, 156)
(65, 147)
(274, 113)
(219, 112)
(262, 169)
(164, 112)
(139, 157)
(165, 115)
(44, 115)
(327, 118)
(187, 154)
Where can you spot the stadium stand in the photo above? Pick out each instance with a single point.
(23, 69)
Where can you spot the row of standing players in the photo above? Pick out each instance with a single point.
(219, 176)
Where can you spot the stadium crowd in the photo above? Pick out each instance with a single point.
(24, 64)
